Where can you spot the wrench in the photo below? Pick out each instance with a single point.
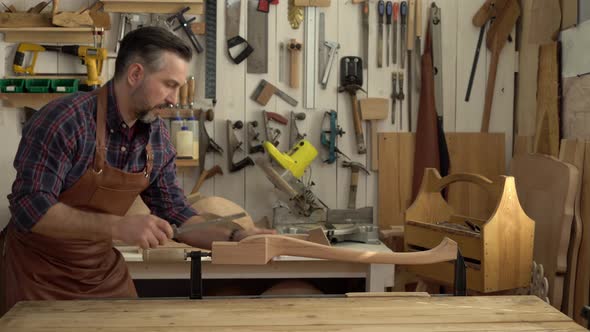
(333, 50)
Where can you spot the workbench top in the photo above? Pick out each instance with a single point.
(489, 313)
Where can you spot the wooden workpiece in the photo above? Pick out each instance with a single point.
(547, 191)
(496, 39)
(260, 249)
(572, 152)
(366, 314)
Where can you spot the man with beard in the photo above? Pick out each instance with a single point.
(81, 162)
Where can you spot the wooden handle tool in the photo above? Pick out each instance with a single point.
(411, 25)
(191, 91)
(295, 51)
(183, 95)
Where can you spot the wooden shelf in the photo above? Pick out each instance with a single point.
(32, 100)
(48, 35)
(187, 162)
(153, 6)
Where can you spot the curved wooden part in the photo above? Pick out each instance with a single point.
(572, 151)
(222, 207)
(260, 249)
(433, 183)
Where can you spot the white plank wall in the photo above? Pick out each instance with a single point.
(249, 187)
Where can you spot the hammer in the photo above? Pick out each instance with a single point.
(207, 174)
(354, 180)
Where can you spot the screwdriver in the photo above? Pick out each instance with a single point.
(404, 13)
(380, 12)
(388, 12)
(395, 19)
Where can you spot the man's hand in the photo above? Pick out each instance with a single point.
(244, 233)
(146, 231)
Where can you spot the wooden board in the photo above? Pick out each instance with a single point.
(396, 151)
(583, 272)
(546, 189)
(469, 152)
(572, 152)
(545, 21)
(528, 65)
(20, 20)
(569, 13)
(491, 313)
(547, 129)
(47, 35)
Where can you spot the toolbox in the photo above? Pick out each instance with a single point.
(10, 85)
(498, 251)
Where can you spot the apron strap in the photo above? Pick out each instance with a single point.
(101, 111)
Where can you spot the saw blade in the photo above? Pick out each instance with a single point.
(257, 62)
(211, 49)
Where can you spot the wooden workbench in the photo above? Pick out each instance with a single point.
(510, 313)
(377, 276)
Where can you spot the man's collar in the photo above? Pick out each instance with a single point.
(114, 118)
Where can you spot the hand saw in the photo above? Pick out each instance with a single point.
(238, 48)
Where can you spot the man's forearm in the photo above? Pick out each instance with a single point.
(204, 237)
(64, 222)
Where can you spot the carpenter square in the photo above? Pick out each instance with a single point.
(265, 90)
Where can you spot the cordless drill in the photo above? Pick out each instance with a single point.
(92, 57)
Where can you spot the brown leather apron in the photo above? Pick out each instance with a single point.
(37, 267)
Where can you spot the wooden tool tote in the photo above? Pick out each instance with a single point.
(498, 251)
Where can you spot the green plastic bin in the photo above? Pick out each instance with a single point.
(37, 85)
(65, 85)
(11, 85)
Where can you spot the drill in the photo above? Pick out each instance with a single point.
(92, 57)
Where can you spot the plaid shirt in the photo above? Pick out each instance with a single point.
(57, 148)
